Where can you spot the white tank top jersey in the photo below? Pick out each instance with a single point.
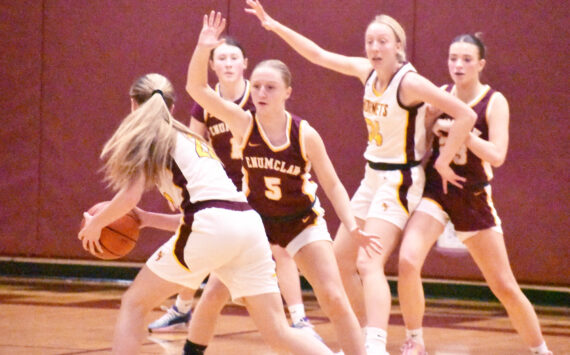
(396, 134)
(197, 175)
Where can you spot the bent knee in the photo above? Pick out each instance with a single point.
(408, 264)
(333, 297)
(131, 302)
(506, 289)
(369, 266)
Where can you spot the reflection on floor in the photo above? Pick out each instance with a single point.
(64, 318)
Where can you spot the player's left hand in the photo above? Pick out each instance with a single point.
(90, 234)
(370, 243)
(256, 9)
(442, 127)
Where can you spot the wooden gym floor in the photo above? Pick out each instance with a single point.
(65, 318)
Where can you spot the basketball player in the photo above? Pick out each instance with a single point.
(394, 112)
(229, 62)
(278, 152)
(219, 233)
(471, 208)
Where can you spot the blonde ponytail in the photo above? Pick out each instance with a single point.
(144, 141)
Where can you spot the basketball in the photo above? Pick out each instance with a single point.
(119, 237)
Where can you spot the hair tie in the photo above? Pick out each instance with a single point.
(157, 91)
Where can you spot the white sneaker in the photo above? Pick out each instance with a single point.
(171, 320)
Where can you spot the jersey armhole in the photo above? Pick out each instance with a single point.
(490, 105)
(302, 126)
(407, 108)
(369, 76)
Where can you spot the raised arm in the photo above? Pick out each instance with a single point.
(197, 81)
(415, 89)
(359, 67)
(334, 189)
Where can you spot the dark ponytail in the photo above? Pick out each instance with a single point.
(473, 39)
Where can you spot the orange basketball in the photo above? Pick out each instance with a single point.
(119, 237)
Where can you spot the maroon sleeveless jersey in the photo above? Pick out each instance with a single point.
(465, 163)
(277, 181)
(221, 137)
(470, 208)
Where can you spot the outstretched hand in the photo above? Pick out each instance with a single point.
(256, 9)
(448, 175)
(368, 242)
(213, 25)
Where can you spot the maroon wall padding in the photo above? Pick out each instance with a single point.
(68, 65)
(524, 62)
(93, 53)
(20, 136)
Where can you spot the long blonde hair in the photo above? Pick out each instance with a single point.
(144, 140)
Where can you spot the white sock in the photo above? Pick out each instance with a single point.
(539, 350)
(376, 339)
(183, 306)
(297, 312)
(417, 335)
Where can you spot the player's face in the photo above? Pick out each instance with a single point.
(268, 90)
(464, 63)
(228, 63)
(381, 45)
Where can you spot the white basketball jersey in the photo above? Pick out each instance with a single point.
(396, 134)
(197, 175)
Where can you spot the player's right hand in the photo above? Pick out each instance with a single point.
(213, 25)
(448, 175)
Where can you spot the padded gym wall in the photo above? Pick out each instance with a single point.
(67, 67)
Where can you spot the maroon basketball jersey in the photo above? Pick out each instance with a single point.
(277, 179)
(221, 138)
(465, 163)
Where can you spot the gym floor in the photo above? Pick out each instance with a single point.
(41, 317)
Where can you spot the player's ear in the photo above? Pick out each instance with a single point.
(482, 63)
(134, 105)
(398, 46)
(172, 109)
(245, 63)
(288, 91)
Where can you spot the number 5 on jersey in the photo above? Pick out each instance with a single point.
(273, 188)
